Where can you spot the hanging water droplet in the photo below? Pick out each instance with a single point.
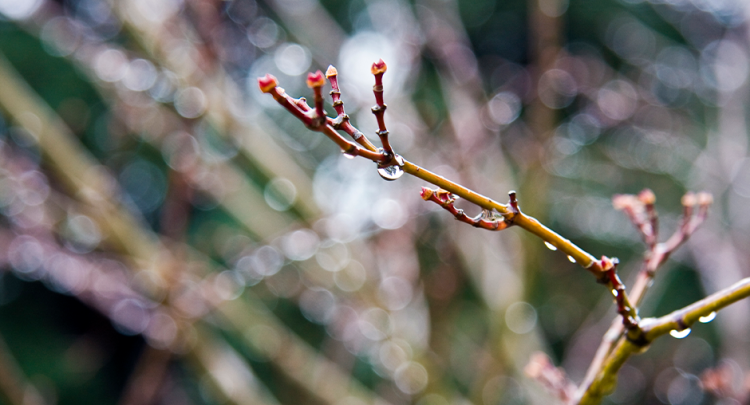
(679, 334)
(350, 154)
(708, 318)
(390, 173)
(571, 259)
(614, 292)
(550, 246)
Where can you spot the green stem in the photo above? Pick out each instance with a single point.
(654, 328)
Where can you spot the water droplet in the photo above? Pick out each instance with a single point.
(350, 154)
(390, 173)
(571, 259)
(679, 334)
(708, 318)
(550, 246)
(614, 292)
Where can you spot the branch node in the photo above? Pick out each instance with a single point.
(485, 220)
(513, 202)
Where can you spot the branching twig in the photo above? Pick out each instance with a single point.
(640, 209)
(653, 328)
(269, 84)
(602, 269)
(485, 220)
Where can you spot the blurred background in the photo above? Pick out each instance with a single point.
(170, 235)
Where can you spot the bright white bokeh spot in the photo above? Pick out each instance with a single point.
(190, 102)
(292, 59)
(351, 278)
(520, 317)
(110, 65)
(617, 100)
(411, 377)
(267, 261)
(229, 285)
(505, 107)
(140, 75)
(389, 214)
(317, 305)
(300, 245)
(395, 293)
(356, 57)
(157, 11)
(19, 9)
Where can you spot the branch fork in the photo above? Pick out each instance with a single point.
(485, 220)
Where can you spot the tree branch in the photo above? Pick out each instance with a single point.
(386, 158)
(640, 209)
(653, 328)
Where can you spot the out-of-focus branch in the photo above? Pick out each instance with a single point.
(641, 212)
(147, 378)
(540, 368)
(128, 233)
(13, 385)
(546, 28)
(75, 166)
(228, 374)
(158, 39)
(296, 359)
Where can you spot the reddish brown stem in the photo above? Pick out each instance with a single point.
(445, 199)
(657, 254)
(378, 69)
(342, 119)
(338, 105)
(318, 92)
(629, 315)
(513, 202)
(315, 81)
(290, 104)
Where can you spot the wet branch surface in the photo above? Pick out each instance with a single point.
(628, 334)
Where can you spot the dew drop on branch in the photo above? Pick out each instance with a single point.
(390, 173)
(679, 334)
(349, 155)
(571, 259)
(550, 246)
(707, 318)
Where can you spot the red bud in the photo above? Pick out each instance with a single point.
(315, 79)
(331, 71)
(647, 196)
(267, 83)
(378, 67)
